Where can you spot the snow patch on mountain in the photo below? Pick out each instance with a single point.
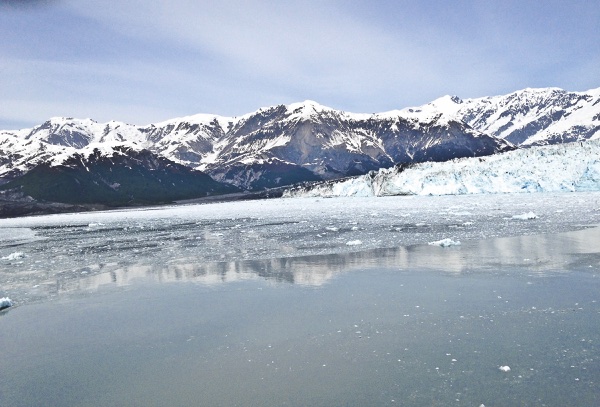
(565, 167)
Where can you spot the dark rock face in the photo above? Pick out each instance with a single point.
(128, 177)
(265, 175)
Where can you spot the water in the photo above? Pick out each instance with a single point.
(407, 325)
(373, 336)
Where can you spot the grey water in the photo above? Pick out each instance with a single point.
(412, 326)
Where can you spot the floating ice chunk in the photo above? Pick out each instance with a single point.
(445, 243)
(504, 368)
(525, 216)
(332, 228)
(93, 225)
(354, 243)
(14, 256)
(5, 302)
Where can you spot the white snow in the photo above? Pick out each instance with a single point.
(445, 243)
(14, 256)
(503, 115)
(504, 368)
(558, 168)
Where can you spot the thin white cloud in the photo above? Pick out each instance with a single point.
(231, 57)
(308, 46)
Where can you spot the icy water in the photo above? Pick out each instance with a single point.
(266, 304)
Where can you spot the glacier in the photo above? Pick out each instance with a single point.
(565, 167)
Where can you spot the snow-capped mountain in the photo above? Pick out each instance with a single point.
(271, 147)
(553, 168)
(307, 141)
(184, 140)
(114, 177)
(281, 145)
(526, 117)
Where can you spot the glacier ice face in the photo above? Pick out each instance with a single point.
(559, 168)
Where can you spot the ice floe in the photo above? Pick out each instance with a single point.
(525, 216)
(14, 256)
(5, 302)
(445, 243)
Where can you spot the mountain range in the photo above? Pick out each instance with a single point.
(279, 145)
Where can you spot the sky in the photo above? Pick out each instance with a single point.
(147, 61)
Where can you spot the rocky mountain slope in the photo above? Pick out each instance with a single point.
(272, 147)
(526, 117)
(332, 144)
(118, 178)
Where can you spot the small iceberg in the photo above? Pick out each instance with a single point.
(504, 368)
(525, 216)
(445, 243)
(95, 225)
(5, 302)
(354, 243)
(14, 256)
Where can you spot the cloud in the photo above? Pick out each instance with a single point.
(232, 57)
(312, 46)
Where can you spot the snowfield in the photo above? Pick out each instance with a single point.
(559, 168)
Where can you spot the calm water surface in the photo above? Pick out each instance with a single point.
(412, 326)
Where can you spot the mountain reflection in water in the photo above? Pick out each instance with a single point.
(537, 255)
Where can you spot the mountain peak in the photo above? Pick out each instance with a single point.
(309, 105)
(445, 105)
(446, 101)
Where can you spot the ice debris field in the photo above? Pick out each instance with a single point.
(36, 251)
